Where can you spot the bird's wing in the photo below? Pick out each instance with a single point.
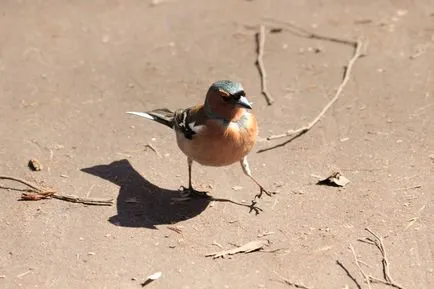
(190, 121)
(161, 115)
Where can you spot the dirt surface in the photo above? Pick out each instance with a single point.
(69, 70)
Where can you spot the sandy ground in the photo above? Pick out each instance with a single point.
(70, 69)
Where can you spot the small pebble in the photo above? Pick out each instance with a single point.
(35, 165)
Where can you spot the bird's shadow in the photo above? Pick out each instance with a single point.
(143, 204)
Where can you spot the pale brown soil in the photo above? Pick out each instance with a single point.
(69, 70)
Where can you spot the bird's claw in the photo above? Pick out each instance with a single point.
(190, 193)
(264, 191)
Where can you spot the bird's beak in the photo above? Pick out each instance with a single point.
(244, 102)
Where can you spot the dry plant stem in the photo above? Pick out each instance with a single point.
(299, 31)
(357, 54)
(36, 193)
(356, 260)
(34, 187)
(86, 201)
(379, 243)
(260, 63)
(290, 283)
(376, 280)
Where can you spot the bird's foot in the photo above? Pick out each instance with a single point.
(190, 193)
(263, 191)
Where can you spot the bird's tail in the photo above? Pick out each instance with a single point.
(162, 115)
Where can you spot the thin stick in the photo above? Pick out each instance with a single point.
(260, 40)
(378, 242)
(346, 77)
(290, 283)
(380, 245)
(299, 31)
(356, 260)
(36, 193)
(33, 186)
(85, 201)
(376, 280)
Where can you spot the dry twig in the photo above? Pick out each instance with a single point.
(380, 245)
(369, 279)
(246, 248)
(358, 45)
(36, 193)
(356, 260)
(376, 280)
(290, 283)
(260, 39)
(378, 242)
(301, 32)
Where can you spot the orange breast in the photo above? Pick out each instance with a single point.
(220, 145)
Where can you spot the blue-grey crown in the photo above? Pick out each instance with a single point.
(232, 87)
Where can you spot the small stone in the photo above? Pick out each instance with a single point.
(35, 165)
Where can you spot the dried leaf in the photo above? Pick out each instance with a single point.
(246, 248)
(336, 179)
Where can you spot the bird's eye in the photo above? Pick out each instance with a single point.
(226, 98)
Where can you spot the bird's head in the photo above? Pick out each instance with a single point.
(227, 99)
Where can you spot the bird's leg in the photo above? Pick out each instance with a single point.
(190, 164)
(187, 193)
(246, 170)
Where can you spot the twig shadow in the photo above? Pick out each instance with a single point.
(340, 264)
(141, 203)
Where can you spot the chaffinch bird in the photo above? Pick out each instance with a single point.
(220, 132)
